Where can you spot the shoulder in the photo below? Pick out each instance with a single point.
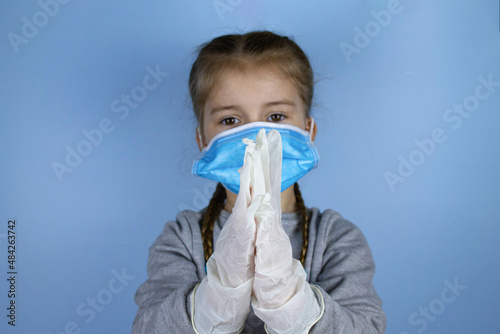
(341, 248)
(177, 247)
(189, 218)
(185, 219)
(335, 229)
(186, 226)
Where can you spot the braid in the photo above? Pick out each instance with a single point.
(305, 219)
(207, 226)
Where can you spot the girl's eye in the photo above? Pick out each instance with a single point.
(229, 121)
(276, 117)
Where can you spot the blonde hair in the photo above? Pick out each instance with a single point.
(243, 52)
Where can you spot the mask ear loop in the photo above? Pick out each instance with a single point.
(199, 136)
(311, 130)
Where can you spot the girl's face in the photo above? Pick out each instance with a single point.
(252, 96)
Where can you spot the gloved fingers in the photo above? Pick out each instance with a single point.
(244, 195)
(263, 147)
(235, 246)
(264, 212)
(215, 280)
(251, 181)
(234, 259)
(254, 208)
(275, 161)
(258, 178)
(265, 154)
(255, 225)
(273, 248)
(273, 257)
(238, 221)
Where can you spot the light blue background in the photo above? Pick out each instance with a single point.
(441, 224)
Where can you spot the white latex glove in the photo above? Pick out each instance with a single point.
(282, 298)
(222, 300)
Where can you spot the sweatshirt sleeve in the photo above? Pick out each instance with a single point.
(345, 282)
(164, 299)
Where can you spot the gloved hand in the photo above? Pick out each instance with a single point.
(282, 298)
(222, 299)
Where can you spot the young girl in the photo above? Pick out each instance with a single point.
(234, 267)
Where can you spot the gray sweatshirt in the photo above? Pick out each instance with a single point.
(338, 261)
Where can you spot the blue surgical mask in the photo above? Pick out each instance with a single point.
(223, 157)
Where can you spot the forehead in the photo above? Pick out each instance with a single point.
(252, 84)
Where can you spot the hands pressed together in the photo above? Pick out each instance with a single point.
(252, 262)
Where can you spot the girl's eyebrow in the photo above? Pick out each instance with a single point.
(268, 104)
(222, 108)
(274, 103)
